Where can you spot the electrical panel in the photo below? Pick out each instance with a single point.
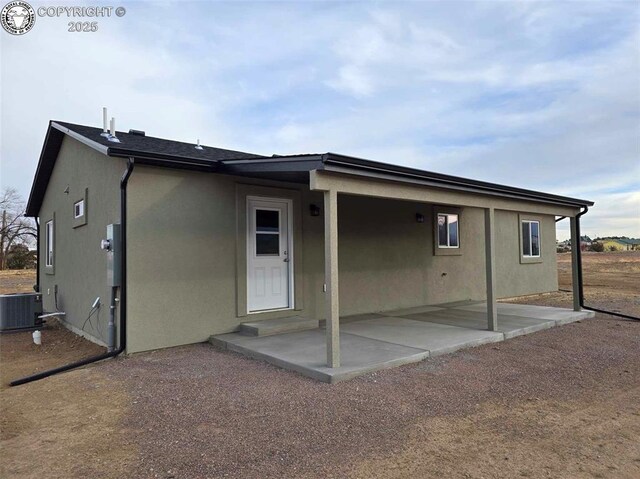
(113, 245)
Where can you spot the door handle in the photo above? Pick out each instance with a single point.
(286, 260)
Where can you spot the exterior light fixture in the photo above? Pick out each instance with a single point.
(419, 217)
(314, 210)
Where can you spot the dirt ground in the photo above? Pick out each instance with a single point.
(560, 403)
(17, 281)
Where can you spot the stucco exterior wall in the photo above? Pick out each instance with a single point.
(187, 267)
(79, 263)
(387, 261)
(515, 278)
(184, 237)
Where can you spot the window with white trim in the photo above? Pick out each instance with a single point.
(78, 209)
(49, 243)
(530, 239)
(448, 231)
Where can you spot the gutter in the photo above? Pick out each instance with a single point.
(380, 170)
(123, 295)
(580, 284)
(164, 160)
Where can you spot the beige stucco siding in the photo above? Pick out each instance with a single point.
(184, 243)
(381, 188)
(187, 255)
(515, 278)
(181, 257)
(79, 263)
(187, 259)
(387, 258)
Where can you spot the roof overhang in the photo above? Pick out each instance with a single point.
(51, 148)
(278, 166)
(291, 168)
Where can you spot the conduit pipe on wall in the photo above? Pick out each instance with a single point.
(580, 284)
(123, 295)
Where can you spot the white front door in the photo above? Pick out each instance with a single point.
(269, 255)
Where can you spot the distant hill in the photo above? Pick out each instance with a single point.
(619, 243)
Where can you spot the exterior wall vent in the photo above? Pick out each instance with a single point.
(20, 311)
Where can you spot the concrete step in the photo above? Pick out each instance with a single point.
(270, 327)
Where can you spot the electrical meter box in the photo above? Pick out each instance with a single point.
(113, 245)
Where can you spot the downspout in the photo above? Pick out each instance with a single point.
(123, 295)
(580, 284)
(37, 285)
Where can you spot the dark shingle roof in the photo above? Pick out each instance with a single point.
(151, 146)
(148, 150)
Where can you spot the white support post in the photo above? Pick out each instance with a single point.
(575, 282)
(332, 308)
(490, 261)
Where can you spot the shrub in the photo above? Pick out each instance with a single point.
(19, 257)
(597, 247)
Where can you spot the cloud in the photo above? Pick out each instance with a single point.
(542, 95)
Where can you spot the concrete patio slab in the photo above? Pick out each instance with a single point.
(358, 317)
(436, 338)
(455, 304)
(305, 353)
(510, 326)
(559, 315)
(405, 311)
(371, 342)
(278, 326)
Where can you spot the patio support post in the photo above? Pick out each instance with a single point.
(575, 281)
(332, 309)
(490, 261)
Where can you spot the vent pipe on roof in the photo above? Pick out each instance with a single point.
(198, 147)
(112, 136)
(104, 122)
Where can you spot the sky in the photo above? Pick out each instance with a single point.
(539, 95)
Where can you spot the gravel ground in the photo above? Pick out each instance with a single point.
(198, 412)
(17, 281)
(558, 403)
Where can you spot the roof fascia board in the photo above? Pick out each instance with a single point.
(274, 159)
(41, 163)
(291, 165)
(82, 139)
(389, 172)
(436, 184)
(124, 153)
(166, 160)
(364, 185)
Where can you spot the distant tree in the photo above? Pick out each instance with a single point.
(613, 248)
(597, 247)
(15, 228)
(20, 257)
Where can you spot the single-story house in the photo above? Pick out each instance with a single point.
(204, 239)
(620, 244)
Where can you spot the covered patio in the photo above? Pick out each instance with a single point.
(488, 259)
(376, 341)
